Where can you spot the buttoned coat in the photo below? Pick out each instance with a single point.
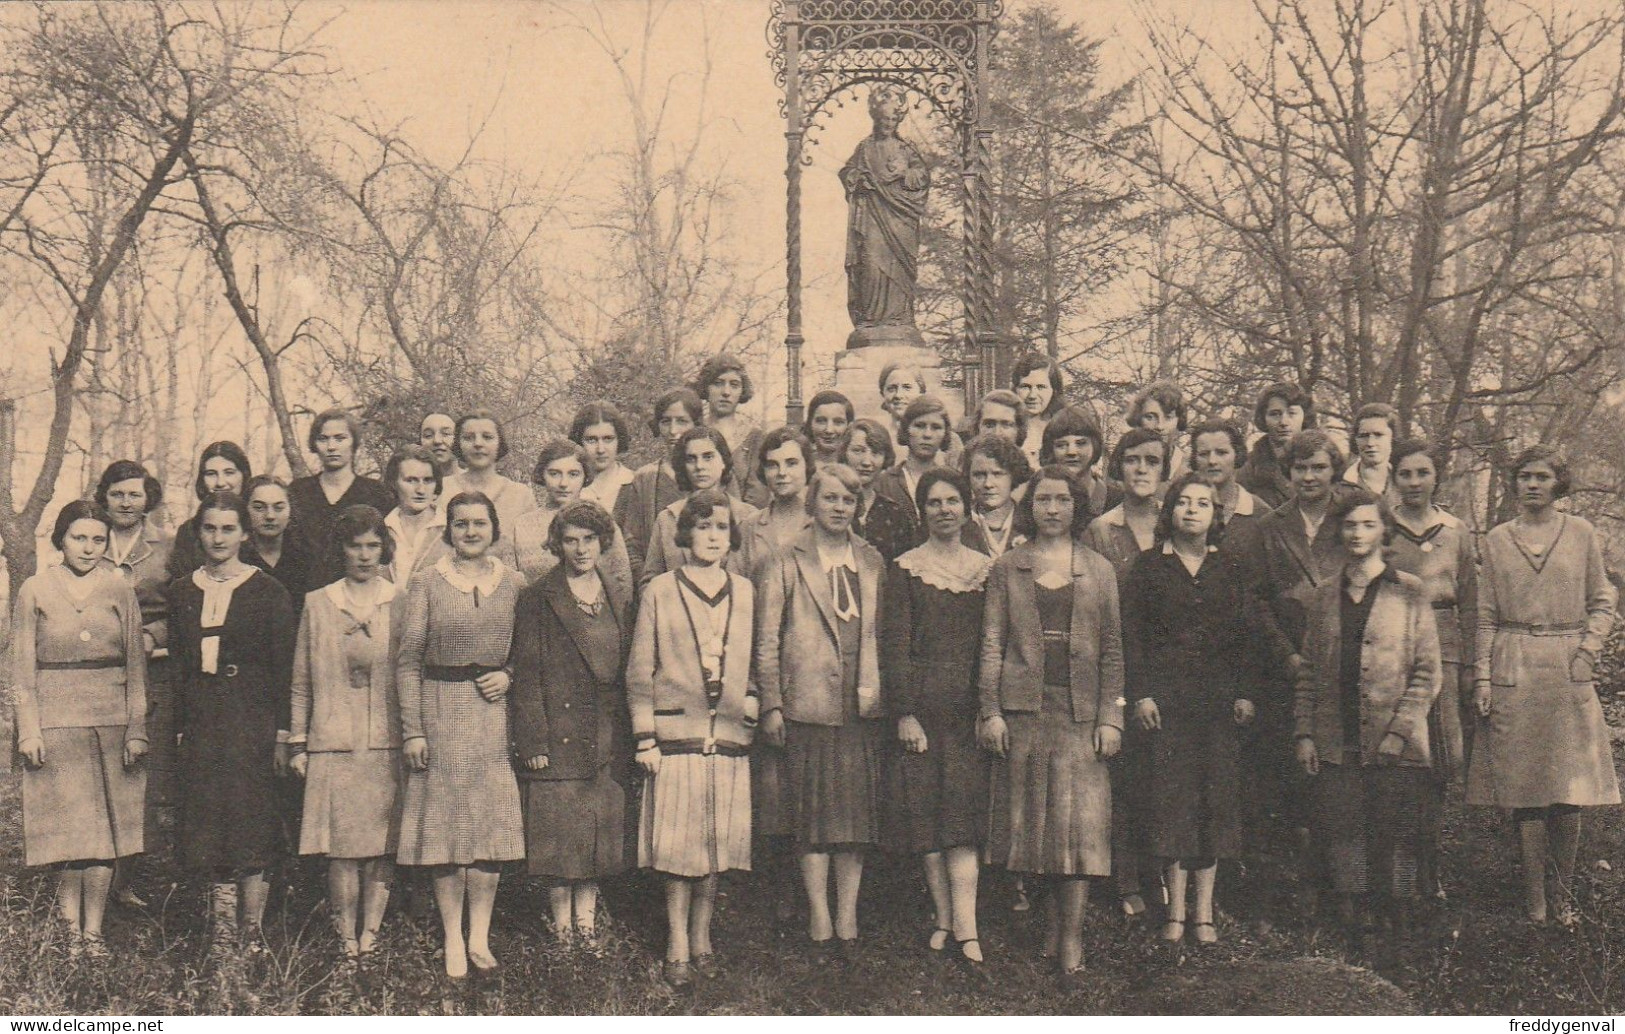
(554, 703)
(1012, 670)
(1399, 671)
(1282, 569)
(321, 677)
(145, 567)
(798, 650)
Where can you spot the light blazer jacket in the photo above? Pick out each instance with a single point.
(1399, 671)
(321, 678)
(798, 650)
(665, 685)
(1012, 677)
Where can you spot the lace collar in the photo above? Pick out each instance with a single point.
(965, 570)
(485, 585)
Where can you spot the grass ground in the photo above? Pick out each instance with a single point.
(1474, 956)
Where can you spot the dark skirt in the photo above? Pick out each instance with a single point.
(1193, 804)
(832, 783)
(230, 814)
(1370, 823)
(938, 799)
(575, 829)
(770, 815)
(1131, 778)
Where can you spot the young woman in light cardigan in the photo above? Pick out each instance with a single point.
(694, 714)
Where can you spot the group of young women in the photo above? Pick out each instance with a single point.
(808, 643)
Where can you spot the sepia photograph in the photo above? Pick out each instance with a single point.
(681, 508)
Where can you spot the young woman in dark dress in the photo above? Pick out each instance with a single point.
(930, 640)
(1186, 660)
(881, 521)
(231, 632)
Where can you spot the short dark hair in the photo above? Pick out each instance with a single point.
(679, 454)
(1351, 499)
(1133, 438)
(1551, 456)
(78, 510)
(692, 405)
(1038, 361)
(552, 452)
(584, 514)
(600, 413)
(1292, 395)
(777, 439)
(716, 366)
(704, 503)
(1377, 411)
(326, 417)
(354, 522)
(1082, 512)
(231, 501)
(411, 453)
(1000, 450)
(1071, 422)
(472, 499)
(129, 470)
(1412, 447)
(471, 416)
(221, 450)
(1001, 397)
(923, 406)
(1305, 444)
(827, 397)
(1238, 437)
(1165, 394)
(1165, 516)
(875, 435)
(259, 481)
(936, 476)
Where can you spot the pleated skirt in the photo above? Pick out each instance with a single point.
(938, 799)
(832, 780)
(465, 807)
(696, 816)
(83, 804)
(352, 803)
(1052, 798)
(575, 829)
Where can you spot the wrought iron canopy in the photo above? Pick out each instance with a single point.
(933, 47)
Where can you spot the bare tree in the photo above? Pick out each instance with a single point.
(1388, 193)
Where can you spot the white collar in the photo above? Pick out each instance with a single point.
(214, 585)
(341, 599)
(1246, 503)
(1168, 548)
(485, 584)
(392, 520)
(829, 560)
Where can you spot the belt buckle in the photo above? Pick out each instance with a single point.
(710, 746)
(229, 671)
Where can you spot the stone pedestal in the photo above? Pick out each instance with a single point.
(857, 375)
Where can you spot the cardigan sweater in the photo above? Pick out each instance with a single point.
(1399, 672)
(665, 683)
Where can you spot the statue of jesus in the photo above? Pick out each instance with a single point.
(886, 183)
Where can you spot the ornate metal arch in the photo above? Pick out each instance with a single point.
(938, 49)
